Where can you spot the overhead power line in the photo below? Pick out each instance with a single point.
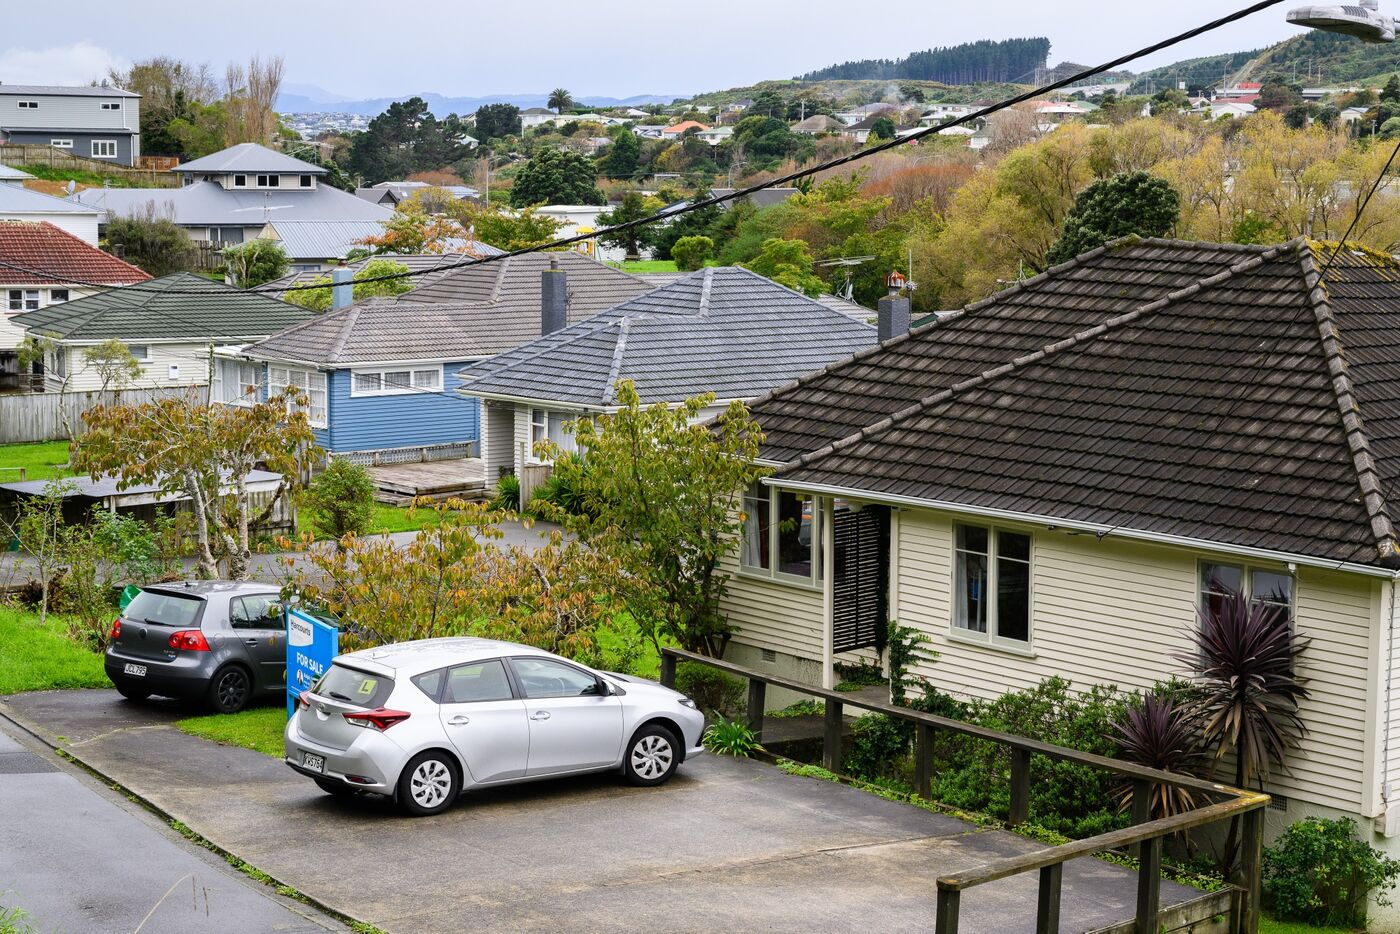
(779, 182)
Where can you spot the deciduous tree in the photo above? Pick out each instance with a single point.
(319, 299)
(255, 262)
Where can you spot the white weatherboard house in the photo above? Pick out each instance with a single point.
(18, 203)
(1051, 481)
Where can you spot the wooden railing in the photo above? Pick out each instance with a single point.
(1144, 838)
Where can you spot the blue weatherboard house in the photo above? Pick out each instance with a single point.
(381, 374)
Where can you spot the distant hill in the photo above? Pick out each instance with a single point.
(311, 99)
(984, 61)
(1312, 58)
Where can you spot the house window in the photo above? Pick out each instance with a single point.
(61, 143)
(226, 234)
(269, 181)
(992, 584)
(781, 535)
(312, 383)
(240, 181)
(1258, 585)
(104, 149)
(23, 300)
(236, 383)
(306, 181)
(141, 352)
(395, 382)
(58, 296)
(548, 425)
(111, 105)
(28, 105)
(58, 363)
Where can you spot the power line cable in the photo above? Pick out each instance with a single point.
(785, 180)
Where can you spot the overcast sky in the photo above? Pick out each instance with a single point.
(358, 48)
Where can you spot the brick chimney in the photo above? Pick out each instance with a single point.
(554, 298)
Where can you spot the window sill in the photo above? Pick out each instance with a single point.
(958, 635)
(796, 583)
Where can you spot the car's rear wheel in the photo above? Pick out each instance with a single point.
(131, 691)
(332, 787)
(428, 784)
(230, 690)
(652, 756)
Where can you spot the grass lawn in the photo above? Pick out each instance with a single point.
(386, 519)
(649, 265)
(53, 173)
(41, 461)
(41, 658)
(1268, 925)
(257, 728)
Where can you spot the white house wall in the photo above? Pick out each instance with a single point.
(192, 360)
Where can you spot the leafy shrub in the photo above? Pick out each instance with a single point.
(341, 499)
(1320, 873)
(730, 738)
(713, 691)
(622, 646)
(690, 253)
(560, 491)
(907, 647)
(880, 744)
(507, 493)
(1157, 732)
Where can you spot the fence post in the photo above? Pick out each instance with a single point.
(668, 669)
(1047, 909)
(1149, 885)
(1020, 787)
(1142, 807)
(946, 919)
(923, 761)
(757, 689)
(1251, 865)
(831, 740)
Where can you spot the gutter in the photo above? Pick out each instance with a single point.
(1096, 528)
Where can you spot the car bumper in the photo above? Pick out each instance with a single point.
(163, 678)
(371, 763)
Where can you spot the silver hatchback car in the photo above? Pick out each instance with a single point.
(422, 721)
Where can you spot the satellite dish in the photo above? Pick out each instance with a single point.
(1363, 20)
(71, 187)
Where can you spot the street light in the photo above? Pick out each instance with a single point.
(1363, 21)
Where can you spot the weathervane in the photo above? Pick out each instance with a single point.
(1363, 20)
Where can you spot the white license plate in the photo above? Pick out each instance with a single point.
(137, 670)
(314, 763)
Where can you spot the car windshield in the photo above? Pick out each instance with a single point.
(353, 686)
(165, 609)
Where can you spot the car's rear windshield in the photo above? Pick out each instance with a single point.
(166, 609)
(353, 686)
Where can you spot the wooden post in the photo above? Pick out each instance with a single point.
(1149, 885)
(923, 761)
(1142, 807)
(831, 741)
(1047, 909)
(668, 670)
(1251, 866)
(757, 690)
(1020, 787)
(946, 920)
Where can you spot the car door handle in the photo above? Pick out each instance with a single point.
(459, 720)
(540, 715)
(251, 641)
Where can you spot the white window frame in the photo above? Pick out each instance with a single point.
(418, 380)
(312, 382)
(54, 296)
(305, 181)
(539, 420)
(28, 105)
(240, 181)
(18, 300)
(1247, 572)
(144, 355)
(235, 382)
(759, 497)
(111, 105)
(957, 627)
(100, 149)
(58, 362)
(269, 181)
(63, 143)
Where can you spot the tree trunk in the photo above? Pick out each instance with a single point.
(208, 567)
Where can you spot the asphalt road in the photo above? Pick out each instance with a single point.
(727, 845)
(77, 856)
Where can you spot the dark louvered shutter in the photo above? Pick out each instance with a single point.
(860, 589)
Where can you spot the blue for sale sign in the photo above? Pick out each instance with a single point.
(311, 646)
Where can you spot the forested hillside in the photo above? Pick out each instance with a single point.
(1008, 60)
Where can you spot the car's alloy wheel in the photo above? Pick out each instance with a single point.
(428, 784)
(230, 690)
(651, 757)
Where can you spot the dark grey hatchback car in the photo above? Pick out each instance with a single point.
(223, 641)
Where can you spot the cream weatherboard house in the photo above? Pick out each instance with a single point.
(1052, 480)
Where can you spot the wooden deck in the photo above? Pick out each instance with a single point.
(400, 484)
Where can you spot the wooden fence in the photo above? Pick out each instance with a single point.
(40, 416)
(20, 155)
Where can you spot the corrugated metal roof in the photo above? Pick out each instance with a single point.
(54, 89)
(16, 199)
(10, 172)
(321, 239)
(206, 203)
(249, 157)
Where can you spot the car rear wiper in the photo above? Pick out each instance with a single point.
(339, 696)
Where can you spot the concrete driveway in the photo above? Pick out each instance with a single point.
(727, 845)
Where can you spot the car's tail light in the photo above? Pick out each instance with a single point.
(189, 640)
(304, 700)
(380, 718)
(116, 629)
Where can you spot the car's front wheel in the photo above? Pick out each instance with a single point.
(652, 756)
(230, 690)
(428, 784)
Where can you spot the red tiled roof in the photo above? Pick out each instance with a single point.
(683, 127)
(66, 259)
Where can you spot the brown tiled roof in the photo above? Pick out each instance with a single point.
(1197, 391)
(57, 258)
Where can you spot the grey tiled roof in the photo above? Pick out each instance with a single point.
(1190, 390)
(723, 330)
(466, 313)
(144, 312)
